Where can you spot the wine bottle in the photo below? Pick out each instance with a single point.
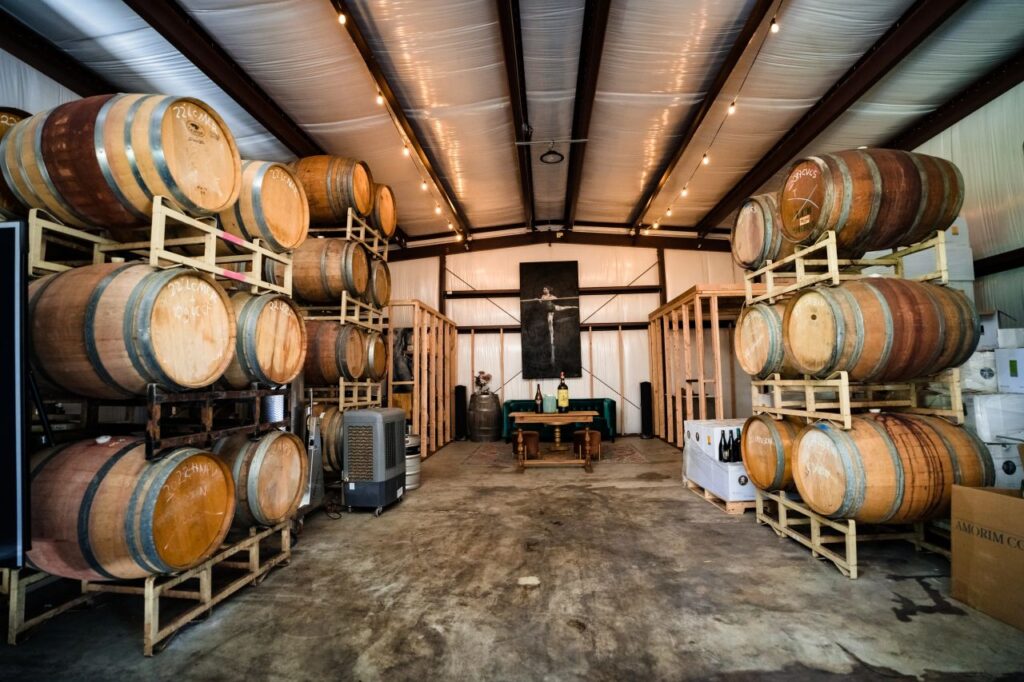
(539, 400)
(723, 449)
(563, 394)
(737, 455)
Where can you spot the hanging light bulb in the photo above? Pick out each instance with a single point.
(423, 185)
(458, 237)
(450, 226)
(645, 233)
(656, 225)
(380, 100)
(668, 212)
(732, 108)
(706, 160)
(437, 209)
(684, 192)
(342, 19)
(405, 150)
(774, 26)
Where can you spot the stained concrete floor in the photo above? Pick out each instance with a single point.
(638, 579)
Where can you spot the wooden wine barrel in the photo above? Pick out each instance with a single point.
(334, 184)
(380, 283)
(271, 207)
(269, 473)
(872, 198)
(384, 216)
(377, 356)
(323, 268)
(106, 331)
(757, 233)
(760, 345)
(889, 468)
(99, 161)
(270, 340)
(767, 449)
(334, 351)
(100, 511)
(10, 207)
(880, 329)
(332, 437)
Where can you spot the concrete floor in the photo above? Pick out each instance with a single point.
(638, 579)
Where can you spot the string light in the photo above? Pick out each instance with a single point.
(458, 237)
(645, 232)
(656, 225)
(732, 108)
(685, 191)
(450, 226)
(380, 100)
(668, 212)
(423, 185)
(706, 160)
(774, 26)
(342, 19)
(437, 209)
(405, 150)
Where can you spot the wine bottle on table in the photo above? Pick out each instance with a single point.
(563, 394)
(538, 400)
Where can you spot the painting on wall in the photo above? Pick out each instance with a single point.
(549, 312)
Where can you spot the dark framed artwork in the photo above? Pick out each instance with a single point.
(549, 312)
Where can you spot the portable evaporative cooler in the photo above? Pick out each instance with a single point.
(373, 459)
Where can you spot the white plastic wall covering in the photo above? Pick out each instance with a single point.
(307, 63)
(109, 38)
(444, 59)
(22, 87)
(551, 50)
(684, 269)
(818, 41)
(1002, 291)
(481, 312)
(415, 280)
(659, 58)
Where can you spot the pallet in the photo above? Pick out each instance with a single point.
(736, 508)
(154, 589)
(249, 267)
(789, 518)
(836, 398)
(356, 229)
(819, 264)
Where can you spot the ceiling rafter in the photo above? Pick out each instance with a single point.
(512, 44)
(909, 31)
(690, 126)
(595, 22)
(665, 229)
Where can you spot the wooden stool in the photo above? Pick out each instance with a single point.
(595, 443)
(531, 443)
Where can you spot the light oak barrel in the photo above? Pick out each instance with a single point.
(107, 331)
(271, 207)
(380, 283)
(880, 329)
(889, 468)
(323, 268)
(384, 216)
(332, 431)
(760, 345)
(333, 184)
(766, 446)
(757, 233)
(334, 352)
(100, 511)
(270, 340)
(269, 473)
(872, 198)
(377, 356)
(10, 207)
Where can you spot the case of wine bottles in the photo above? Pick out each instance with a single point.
(716, 438)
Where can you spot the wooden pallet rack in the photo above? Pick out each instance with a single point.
(734, 508)
(681, 385)
(819, 264)
(170, 230)
(434, 370)
(834, 540)
(197, 584)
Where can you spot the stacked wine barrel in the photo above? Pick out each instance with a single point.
(335, 184)
(889, 467)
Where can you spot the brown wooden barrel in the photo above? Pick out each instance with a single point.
(889, 468)
(107, 331)
(271, 207)
(334, 351)
(377, 357)
(270, 340)
(384, 216)
(323, 268)
(269, 473)
(880, 329)
(10, 207)
(380, 283)
(760, 345)
(99, 161)
(334, 184)
(872, 198)
(332, 438)
(757, 233)
(766, 445)
(100, 511)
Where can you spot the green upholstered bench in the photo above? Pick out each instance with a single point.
(604, 421)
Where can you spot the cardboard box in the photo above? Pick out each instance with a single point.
(990, 321)
(1006, 460)
(726, 480)
(1010, 369)
(1011, 338)
(988, 551)
(993, 415)
(978, 374)
(707, 433)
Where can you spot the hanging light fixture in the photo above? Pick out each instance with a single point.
(684, 192)
(423, 185)
(668, 212)
(705, 160)
(552, 156)
(732, 108)
(774, 26)
(405, 150)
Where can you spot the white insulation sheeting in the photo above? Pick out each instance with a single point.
(415, 280)
(684, 269)
(1002, 291)
(551, 52)
(444, 58)
(659, 58)
(109, 38)
(307, 63)
(22, 87)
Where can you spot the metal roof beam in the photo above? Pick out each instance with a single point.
(512, 44)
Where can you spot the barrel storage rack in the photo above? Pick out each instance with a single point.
(837, 399)
(680, 383)
(434, 371)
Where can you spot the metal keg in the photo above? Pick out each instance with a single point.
(412, 461)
